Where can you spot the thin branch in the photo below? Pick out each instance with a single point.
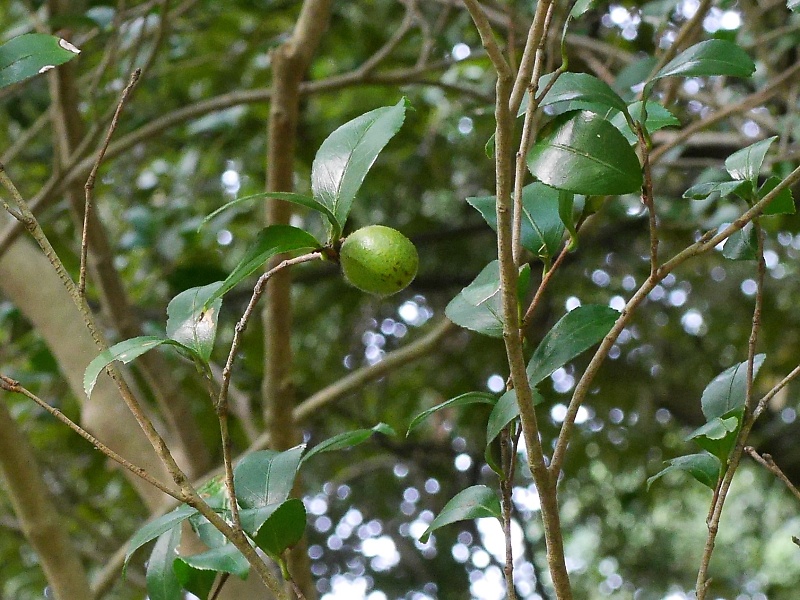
(768, 463)
(536, 34)
(648, 198)
(391, 44)
(718, 502)
(188, 494)
(221, 406)
(762, 404)
(488, 40)
(89, 187)
(751, 101)
(10, 385)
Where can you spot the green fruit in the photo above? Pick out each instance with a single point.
(378, 260)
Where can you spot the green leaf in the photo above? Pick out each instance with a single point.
(712, 57)
(346, 156)
(31, 54)
(523, 283)
(475, 502)
(704, 467)
(162, 583)
(745, 164)
(348, 439)
(266, 477)
(793, 5)
(718, 436)
(542, 228)
(272, 240)
(156, 527)
(583, 153)
(197, 581)
(783, 203)
(478, 306)
(462, 400)
(506, 410)
(579, 87)
(294, 198)
(124, 352)
(566, 203)
(657, 118)
(222, 559)
(574, 333)
(701, 191)
(726, 393)
(283, 529)
(192, 318)
(742, 244)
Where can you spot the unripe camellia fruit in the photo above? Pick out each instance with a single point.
(378, 260)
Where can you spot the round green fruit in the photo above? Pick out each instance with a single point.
(378, 260)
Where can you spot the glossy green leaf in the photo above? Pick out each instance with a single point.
(523, 283)
(192, 318)
(208, 534)
(222, 559)
(574, 333)
(283, 528)
(657, 118)
(701, 191)
(162, 583)
(704, 467)
(272, 240)
(475, 502)
(348, 439)
(505, 411)
(579, 87)
(197, 581)
(346, 156)
(566, 212)
(542, 228)
(478, 306)
(711, 57)
(125, 352)
(793, 5)
(156, 527)
(294, 198)
(726, 392)
(583, 153)
(742, 244)
(718, 436)
(462, 400)
(745, 164)
(31, 54)
(783, 204)
(266, 477)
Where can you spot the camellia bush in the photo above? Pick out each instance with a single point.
(566, 234)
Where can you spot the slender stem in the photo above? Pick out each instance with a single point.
(10, 385)
(187, 494)
(768, 463)
(221, 405)
(701, 587)
(89, 187)
(647, 197)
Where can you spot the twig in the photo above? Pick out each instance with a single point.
(89, 186)
(10, 385)
(768, 463)
(384, 51)
(647, 197)
(762, 404)
(187, 494)
(487, 38)
(537, 297)
(221, 406)
(734, 460)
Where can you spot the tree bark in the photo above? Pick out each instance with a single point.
(40, 522)
(290, 61)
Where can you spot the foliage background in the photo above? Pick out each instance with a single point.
(367, 504)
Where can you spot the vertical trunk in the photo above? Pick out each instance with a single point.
(37, 515)
(289, 64)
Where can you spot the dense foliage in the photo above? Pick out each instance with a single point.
(192, 137)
